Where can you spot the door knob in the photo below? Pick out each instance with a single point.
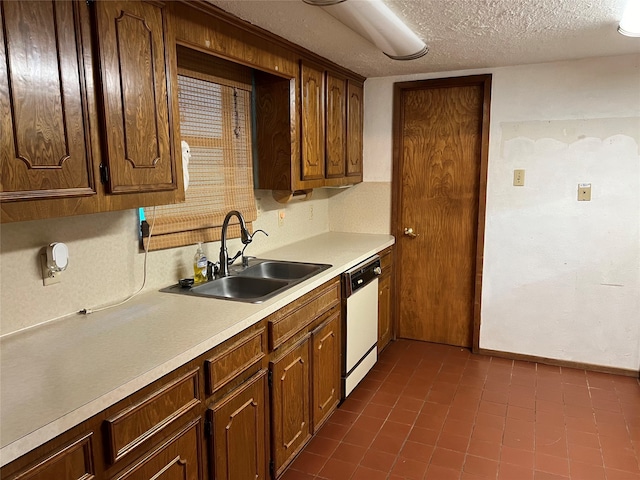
(410, 233)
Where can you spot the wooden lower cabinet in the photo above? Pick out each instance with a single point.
(385, 299)
(179, 458)
(325, 341)
(290, 425)
(384, 312)
(239, 445)
(72, 462)
(257, 420)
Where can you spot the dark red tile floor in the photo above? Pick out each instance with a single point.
(437, 412)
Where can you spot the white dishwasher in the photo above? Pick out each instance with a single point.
(361, 322)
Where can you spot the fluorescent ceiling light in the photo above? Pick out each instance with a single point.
(374, 21)
(630, 23)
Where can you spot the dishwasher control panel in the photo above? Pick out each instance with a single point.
(362, 274)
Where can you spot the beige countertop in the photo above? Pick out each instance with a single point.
(57, 375)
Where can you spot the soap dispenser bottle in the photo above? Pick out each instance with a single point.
(199, 266)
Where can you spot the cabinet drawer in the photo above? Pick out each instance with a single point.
(288, 321)
(234, 360)
(179, 457)
(144, 419)
(75, 461)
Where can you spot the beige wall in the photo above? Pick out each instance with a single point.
(561, 277)
(105, 262)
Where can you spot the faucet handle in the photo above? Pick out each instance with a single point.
(212, 269)
(234, 258)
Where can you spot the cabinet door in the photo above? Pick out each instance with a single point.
(44, 146)
(336, 140)
(239, 432)
(290, 426)
(355, 103)
(137, 111)
(384, 311)
(179, 458)
(312, 98)
(326, 369)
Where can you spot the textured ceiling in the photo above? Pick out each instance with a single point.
(460, 34)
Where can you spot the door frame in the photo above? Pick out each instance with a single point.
(396, 185)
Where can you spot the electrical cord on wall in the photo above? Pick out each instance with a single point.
(87, 311)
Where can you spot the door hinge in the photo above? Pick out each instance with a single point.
(272, 469)
(208, 429)
(104, 173)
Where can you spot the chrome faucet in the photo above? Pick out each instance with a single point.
(245, 237)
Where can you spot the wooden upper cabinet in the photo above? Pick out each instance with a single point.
(355, 112)
(132, 41)
(336, 116)
(45, 148)
(312, 112)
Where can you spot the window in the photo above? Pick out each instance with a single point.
(214, 98)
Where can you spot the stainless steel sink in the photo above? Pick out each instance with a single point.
(282, 270)
(240, 288)
(258, 282)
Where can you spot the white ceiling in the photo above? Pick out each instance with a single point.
(460, 34)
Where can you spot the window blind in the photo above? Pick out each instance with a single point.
(214, 98)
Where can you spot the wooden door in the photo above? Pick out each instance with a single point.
(441, 138)
(44, 145)
(326, 369)
(239, 432)
(312, 111)
(290, 425)
(336, 141)
(137, 115)
(355, 113)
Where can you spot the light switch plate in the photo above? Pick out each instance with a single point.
(584, 192)
(518, 178)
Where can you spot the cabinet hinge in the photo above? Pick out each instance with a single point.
(90, 2)
(208, 429)
(270, 378)
(272, 469)
(104, 173)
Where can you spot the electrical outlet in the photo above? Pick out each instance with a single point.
(518, 178)
(48, 277)
(281, 215)
(584, 192)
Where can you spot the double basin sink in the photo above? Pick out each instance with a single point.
(258, 282)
